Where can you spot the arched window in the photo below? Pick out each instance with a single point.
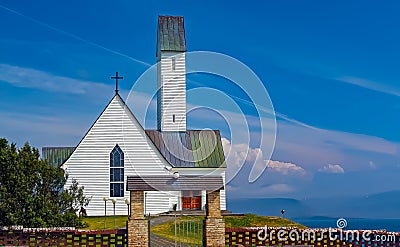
(116, 172)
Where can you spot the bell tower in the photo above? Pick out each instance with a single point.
(171, 74)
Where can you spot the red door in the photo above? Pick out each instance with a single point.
(186, 203)
(195, 203)
(191, 200)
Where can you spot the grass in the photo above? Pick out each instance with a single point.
(167, 230)
(249, 220)
(97, 222)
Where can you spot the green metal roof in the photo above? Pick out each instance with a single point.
(56, 156)
(192, 148)
(171, 34)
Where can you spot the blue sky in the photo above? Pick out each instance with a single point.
(330, 68)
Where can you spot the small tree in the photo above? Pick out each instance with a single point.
(74, 198)
(31, 191)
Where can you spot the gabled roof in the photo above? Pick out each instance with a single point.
(192, 148)
(171, 34)
(189, 149)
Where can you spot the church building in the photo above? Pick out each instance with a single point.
(117, 145)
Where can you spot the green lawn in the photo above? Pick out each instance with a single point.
(249, 220)
(97, 222)
(167, 230)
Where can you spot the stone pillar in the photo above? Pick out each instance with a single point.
(214, 225)
(137, 224)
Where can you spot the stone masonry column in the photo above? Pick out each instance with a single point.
(214, 225)
(137, 224)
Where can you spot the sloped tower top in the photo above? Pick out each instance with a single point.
(171, 34)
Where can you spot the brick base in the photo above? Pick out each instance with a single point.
(214, 232)
(137, 233)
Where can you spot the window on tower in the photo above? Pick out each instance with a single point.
(116, 172)
(173, 63)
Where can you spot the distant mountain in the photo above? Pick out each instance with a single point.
(377, 206)
(269, 206)
(319, 218)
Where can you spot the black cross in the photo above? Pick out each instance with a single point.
(116, 77)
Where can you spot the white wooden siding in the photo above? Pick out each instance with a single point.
(171, 99)
(223, 193)
(90, 162)
(174, 198)
(157, 202)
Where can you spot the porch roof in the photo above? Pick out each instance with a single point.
(169, 183)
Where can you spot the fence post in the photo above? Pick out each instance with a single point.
(214, 225)
(148, 230)
(175, 227)
(138, 229)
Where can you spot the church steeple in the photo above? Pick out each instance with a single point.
(171, 73)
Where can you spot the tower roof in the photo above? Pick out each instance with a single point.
(171, 34)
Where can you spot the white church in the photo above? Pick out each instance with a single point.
(117, 145)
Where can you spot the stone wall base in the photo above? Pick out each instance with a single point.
(137, 233)
(214, 232)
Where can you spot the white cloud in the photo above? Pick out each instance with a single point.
(372, 165)
(240, 153)
(372, 85)
(237, 155)
(285, 168)
(304, 143)
(278, 188)
(315, 146)
(259, 190)
(332, 169)
(32, 78)
(42, 130)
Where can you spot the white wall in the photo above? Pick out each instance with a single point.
(90, 163)
(172, 95)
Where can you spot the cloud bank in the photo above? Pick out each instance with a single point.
(332, 169)
(285, 168)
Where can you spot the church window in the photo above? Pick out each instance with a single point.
(116, 172)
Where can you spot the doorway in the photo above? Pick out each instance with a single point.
(191, 200)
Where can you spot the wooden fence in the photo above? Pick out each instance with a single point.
(64, 238)
(305, 237)
(234, 237)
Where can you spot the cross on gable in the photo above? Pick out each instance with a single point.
(116, 77)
